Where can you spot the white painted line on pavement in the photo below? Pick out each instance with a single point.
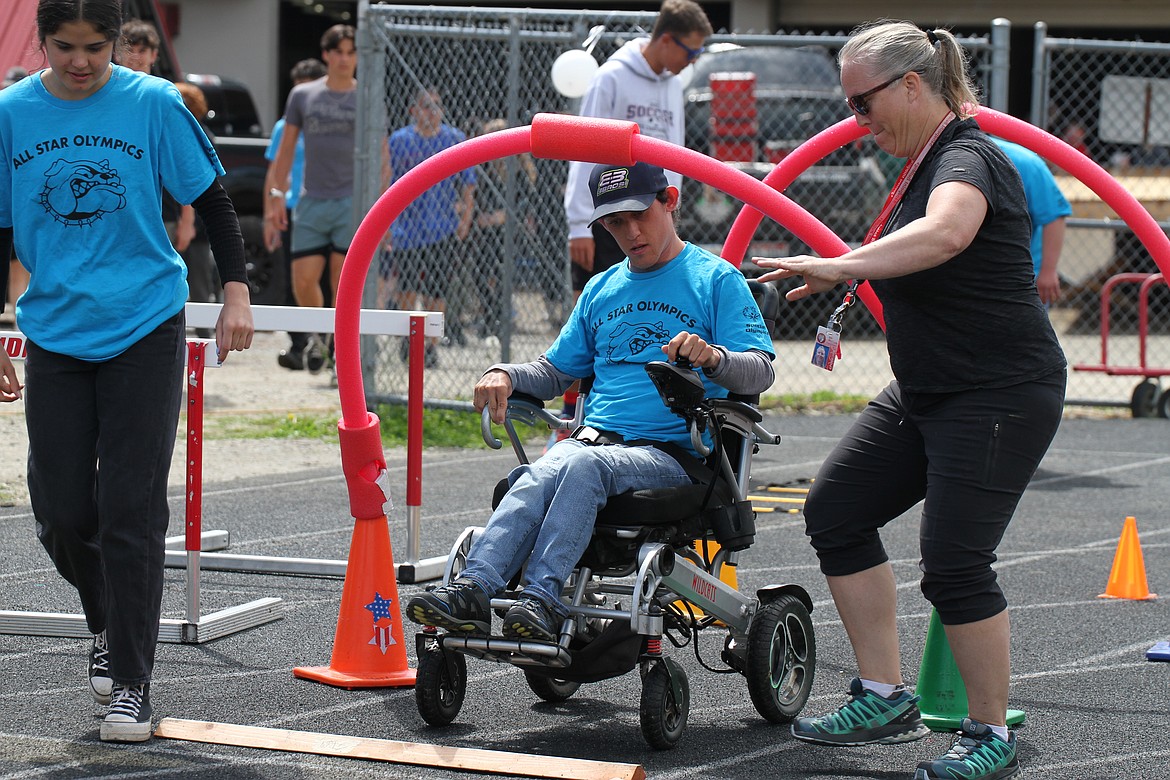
(1142, 464)
(1137, 647)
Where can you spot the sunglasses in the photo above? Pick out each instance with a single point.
(692, 54)
(859, 104)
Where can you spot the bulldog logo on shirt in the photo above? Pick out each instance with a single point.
(630, 339)
(81, 192)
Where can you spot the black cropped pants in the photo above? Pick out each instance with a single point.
(967, 456)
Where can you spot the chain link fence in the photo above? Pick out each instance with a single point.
(505, 286)
(504, 283)
(1110, 99)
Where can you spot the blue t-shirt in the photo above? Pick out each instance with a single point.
(294, 177)
(1046, 203)
(81, 184)
(431, 216)
(622, 320)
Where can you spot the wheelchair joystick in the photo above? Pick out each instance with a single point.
(678, 385)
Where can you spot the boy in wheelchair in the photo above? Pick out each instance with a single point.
(669, 298)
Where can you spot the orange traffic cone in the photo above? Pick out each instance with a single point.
(368, 648)
(1127, 580)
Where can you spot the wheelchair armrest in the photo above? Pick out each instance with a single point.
(528, 409)
(744, 418)
(733, 405)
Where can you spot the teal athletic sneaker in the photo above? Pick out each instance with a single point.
(865, 719)
(977, 753)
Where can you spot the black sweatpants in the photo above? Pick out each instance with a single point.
(967, 455)
(101, 436)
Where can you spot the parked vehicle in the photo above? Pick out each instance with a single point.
(797, 94)
(240, 143)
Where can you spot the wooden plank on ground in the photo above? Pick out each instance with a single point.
(414, 753)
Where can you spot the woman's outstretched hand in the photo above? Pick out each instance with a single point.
(819, 274)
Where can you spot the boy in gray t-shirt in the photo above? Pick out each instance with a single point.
(325, 111)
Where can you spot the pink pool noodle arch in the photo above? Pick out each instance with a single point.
(1016, 130)
(551, 136)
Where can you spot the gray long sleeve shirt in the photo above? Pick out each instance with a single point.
(744, 373)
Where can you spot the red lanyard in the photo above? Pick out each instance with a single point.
(903, 182)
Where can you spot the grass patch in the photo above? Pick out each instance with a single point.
(451, 428)
(820, 402)
(441, 427)
(321, 427)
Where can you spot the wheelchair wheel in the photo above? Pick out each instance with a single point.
(781, 659)
(662, 713)
(551, 689)
(440, 684)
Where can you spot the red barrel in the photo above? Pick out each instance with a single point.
(733, 125)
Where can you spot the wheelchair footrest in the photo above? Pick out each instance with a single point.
(513, 651)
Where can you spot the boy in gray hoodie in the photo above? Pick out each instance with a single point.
(638, 83)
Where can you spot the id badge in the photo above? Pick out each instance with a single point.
(825, 350)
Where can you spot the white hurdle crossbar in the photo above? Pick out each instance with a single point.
(191, 549)
(373, 322)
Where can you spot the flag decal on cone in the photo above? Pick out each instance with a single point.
(383, 633)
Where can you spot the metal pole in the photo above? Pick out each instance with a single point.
(508, 271)
(414, 434)
(369, 135)
(1001, 46)
(1039, 76)
(196, 352)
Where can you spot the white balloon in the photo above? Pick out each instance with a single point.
(572, 71)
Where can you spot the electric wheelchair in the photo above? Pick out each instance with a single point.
(651, 572)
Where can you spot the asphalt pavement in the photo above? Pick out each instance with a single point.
(1096, 708)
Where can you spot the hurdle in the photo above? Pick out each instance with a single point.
(373, 322)
(197, 547)
(195, 628)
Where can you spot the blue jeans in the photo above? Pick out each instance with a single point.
(548, 513)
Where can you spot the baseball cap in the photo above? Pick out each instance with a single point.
(624, 188)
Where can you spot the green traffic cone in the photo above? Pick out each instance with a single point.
(944, 696)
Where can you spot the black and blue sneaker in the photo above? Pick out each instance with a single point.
(865, 719)
(977, 754)
(461, 606)
(530, 618)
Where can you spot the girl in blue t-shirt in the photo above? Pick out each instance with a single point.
(86, 147)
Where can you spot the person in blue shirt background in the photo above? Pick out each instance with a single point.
(1047, 208)
(428, 236)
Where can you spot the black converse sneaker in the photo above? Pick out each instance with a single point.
(101, 686)
(129, 717)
